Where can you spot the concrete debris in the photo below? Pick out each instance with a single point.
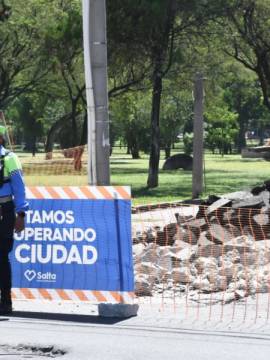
(224, 247)
(218, 204)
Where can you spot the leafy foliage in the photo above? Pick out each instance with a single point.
(155, 47)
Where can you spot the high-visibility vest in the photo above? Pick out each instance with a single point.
(8, 163)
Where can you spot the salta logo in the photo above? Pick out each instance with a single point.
(39, 276)
(30, 274)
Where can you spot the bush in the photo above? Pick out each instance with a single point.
(188, 143)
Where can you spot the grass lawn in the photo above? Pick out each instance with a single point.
(222, 174)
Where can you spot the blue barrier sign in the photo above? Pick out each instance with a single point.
(82, 244)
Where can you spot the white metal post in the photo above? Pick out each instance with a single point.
(91, 113)
(98, 41)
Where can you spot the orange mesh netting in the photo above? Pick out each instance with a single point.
(198, 259)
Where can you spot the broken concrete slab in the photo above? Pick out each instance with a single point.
(218, 204)
(219, 234)
(249, 202)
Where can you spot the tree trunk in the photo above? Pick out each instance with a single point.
(241, 141)
(152, 180)
(74, 124)
(34, 146)
(53, 130)
(162, 60)
(84, 130)
(167, 151)
(135, 151)
(261, 135)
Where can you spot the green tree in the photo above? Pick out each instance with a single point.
(174, 113)
(247, 38)
(129, 116)
(28, 119)
(63, 47)
(21, 67)
(244, 97)
(222, 128)
(161, 27)
(5, 11)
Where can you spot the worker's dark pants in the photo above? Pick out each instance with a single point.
(7, 221)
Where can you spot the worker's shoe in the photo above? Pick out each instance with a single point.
(5, 308)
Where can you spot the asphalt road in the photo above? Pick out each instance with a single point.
(90, 337)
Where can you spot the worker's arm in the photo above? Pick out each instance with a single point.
(18, 188)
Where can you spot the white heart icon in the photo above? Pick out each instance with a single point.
(30, 274)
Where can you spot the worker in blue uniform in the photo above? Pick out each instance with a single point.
(13, 206)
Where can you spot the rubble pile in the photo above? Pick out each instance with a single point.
(224, 247)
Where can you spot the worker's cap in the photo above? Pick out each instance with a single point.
(2, 130)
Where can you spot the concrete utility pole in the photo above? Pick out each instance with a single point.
(95, 57)
(197, 173)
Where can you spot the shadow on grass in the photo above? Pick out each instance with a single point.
(176, 191)
(127, 171)
(230, 160)
(126, 158)
(130, 170)
(177, 185)
(182, 189)
(119, 162)
(217, 172)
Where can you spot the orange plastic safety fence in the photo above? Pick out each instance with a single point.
(72, 161)
(204, 262)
